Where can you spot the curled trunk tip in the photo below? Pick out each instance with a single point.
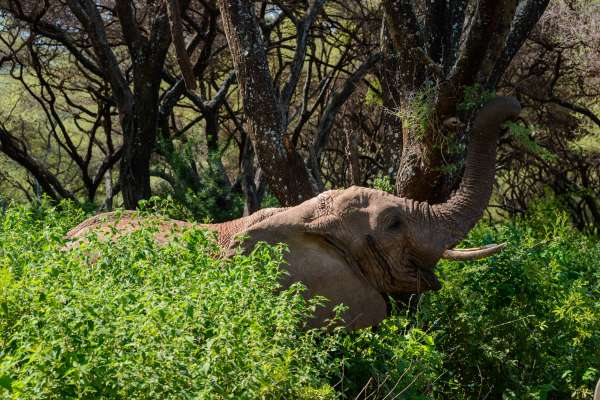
(462, 211)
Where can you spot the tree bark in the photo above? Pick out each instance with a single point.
(140, 121)
(433, 71)
(285, 170)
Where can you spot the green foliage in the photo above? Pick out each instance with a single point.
(166, 206)
(474, 97)
(524, 136)
(398, 358)
(200, 193)
(384, 183)
(148, 322)
(269, 200)
(131, 319)
(524, 324)
(416, 115)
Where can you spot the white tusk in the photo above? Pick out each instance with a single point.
(474, 253)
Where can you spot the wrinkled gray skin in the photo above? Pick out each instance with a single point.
(355, 246)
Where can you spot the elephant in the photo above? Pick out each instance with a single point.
(358, 245)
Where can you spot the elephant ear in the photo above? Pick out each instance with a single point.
(313, 216)
(316, 216)
(333, 206)
(318, 264)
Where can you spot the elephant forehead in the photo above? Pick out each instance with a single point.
(369, 200)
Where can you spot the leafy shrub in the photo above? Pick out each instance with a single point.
(202, 192)
(384, 183)
(524, 324)
(178, 321)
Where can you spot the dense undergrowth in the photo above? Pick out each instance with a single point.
(144, 321)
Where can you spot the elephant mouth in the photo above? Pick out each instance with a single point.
(427, 277)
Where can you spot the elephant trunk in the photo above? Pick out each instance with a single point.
(462, 211)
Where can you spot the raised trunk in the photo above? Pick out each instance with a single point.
(462, 211)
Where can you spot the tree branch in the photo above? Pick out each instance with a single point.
(89, 17)
(49, 183)
(338, 99)
(302, 30)
(527, 15)
(288, 176)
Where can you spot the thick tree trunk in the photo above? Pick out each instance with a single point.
(139, 134)
(135, 165)
(139, 117)
(435, 61)
(285, 170)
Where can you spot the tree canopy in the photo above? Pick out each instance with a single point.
(234, 105)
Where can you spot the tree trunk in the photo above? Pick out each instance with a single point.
(436, 60)
(135, 165)
(139, 115)
(108, 189)
(139, 137)
(285, 170)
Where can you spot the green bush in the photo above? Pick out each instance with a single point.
(524, 324)
(178, 321)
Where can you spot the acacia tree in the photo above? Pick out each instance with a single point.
(74, 119)
(267, 104)
(125, 45)
(429, 60)
(84, 25)
(435, 52)
(266, 111)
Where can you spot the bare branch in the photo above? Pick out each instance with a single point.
(89, 17)
(183, 58)
(302, 30)
(527, 15)
(338, 99)
(48, 181)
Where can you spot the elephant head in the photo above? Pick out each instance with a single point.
(355, 246)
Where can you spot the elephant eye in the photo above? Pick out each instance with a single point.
(395, 224)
